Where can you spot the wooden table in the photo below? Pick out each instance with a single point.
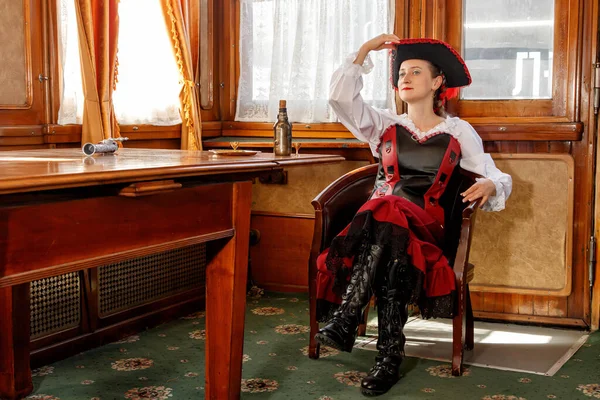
(265, 143)
(62, 212)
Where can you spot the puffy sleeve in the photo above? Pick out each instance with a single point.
(474, 159)
(366, 123)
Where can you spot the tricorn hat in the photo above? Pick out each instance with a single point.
(437, 52)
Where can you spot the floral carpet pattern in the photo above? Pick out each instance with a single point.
(167, 362)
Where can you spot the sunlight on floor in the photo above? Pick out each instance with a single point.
(531, 349)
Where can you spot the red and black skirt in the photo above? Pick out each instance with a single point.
(407, 235)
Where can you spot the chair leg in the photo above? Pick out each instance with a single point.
(458, 333)
(313, 346)
(469, 328)
(362, 327)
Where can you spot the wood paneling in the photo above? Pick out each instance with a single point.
(19, 137)
(594, 132)
(584, 154)
(530, 319)
(529, 307)
(31, 111)
(489, 129)
(15, 46)
(61, 136)
(511, 262)
(205, 46)
(51, 61)
(280, 259)
(228, 31)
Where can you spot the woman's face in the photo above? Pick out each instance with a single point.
(416, 81)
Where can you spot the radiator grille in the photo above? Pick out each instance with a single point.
(142, 280)
(56, 301)
(55, 304)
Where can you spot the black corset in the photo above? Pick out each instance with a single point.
(418, 164)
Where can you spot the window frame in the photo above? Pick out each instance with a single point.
(566, 74)
(207, 82)
(229, 73)
(546, 119)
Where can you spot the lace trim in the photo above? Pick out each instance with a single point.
(325, 310)
(437, 307)
(409, 287)
(498, 201)
(446, 126)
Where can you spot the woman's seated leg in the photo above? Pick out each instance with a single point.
(340, 332)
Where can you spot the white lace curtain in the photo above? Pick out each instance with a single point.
(148, 80)
(290, 48)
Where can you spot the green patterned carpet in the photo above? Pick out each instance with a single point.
(168, 363)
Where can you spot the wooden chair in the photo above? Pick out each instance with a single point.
(336, 206)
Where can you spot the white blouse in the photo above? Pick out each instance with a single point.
(368, 124)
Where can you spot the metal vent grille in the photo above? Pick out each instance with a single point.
(145, 279)
(55, 304)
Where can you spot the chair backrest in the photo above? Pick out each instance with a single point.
(339, 202)
(342, 199)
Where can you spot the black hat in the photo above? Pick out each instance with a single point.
(439, 53)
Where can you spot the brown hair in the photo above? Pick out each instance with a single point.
(438, 100)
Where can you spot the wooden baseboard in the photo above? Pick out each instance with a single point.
(282, 215)
(532, 319)
(279, 287)
(68, 348)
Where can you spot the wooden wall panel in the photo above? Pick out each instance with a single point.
(507, 260)
(280, 259)
(69, 136)
(569, 310)
(15, 47)
(21, 38)
(304, 184)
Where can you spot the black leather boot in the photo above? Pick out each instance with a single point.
(340, 331)
(392, 315)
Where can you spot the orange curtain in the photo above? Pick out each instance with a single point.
(98, 26)
(179, 26)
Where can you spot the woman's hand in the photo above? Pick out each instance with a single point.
(482, 189)
(383, 41)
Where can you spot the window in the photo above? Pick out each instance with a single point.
(521, 57)
(289, 50)
(148, 85)
(507, 46)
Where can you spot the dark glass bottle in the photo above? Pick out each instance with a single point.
(282, 132)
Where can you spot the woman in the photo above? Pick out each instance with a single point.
(392, 247)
